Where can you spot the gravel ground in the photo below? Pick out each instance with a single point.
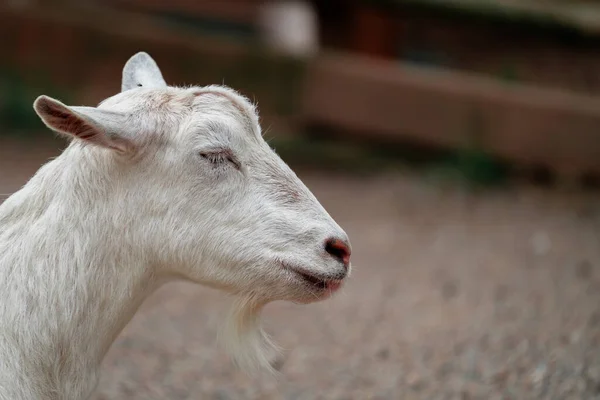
(454, 295)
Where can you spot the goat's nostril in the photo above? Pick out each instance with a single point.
(339, 249)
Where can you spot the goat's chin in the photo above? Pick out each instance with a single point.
(248, 344)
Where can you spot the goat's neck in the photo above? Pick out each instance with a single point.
(70, 283)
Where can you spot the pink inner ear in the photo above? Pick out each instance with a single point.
(64, 120)
(68, 122)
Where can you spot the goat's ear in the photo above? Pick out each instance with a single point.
(141, 71)
(98, 127)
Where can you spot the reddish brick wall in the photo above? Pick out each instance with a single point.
(537, 127)
(505, 49)
(534, 55)
(241, 11)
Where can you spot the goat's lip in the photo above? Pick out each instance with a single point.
(314, 281)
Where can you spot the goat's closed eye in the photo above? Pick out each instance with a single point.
(220, 157)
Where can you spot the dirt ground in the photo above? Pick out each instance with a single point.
(454, 295)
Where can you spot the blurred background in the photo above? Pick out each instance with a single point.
(457, 142)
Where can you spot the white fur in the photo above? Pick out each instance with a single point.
(158, 183)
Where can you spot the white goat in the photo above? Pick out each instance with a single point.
(158, 183)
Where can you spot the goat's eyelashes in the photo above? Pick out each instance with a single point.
(220, 157)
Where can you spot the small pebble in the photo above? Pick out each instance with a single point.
(413, 380)
(538, 375)
(593, 373)
(541, 243)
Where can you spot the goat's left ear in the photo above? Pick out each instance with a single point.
(141, 71)
(99, 127)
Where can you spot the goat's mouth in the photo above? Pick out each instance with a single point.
(314, 281)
